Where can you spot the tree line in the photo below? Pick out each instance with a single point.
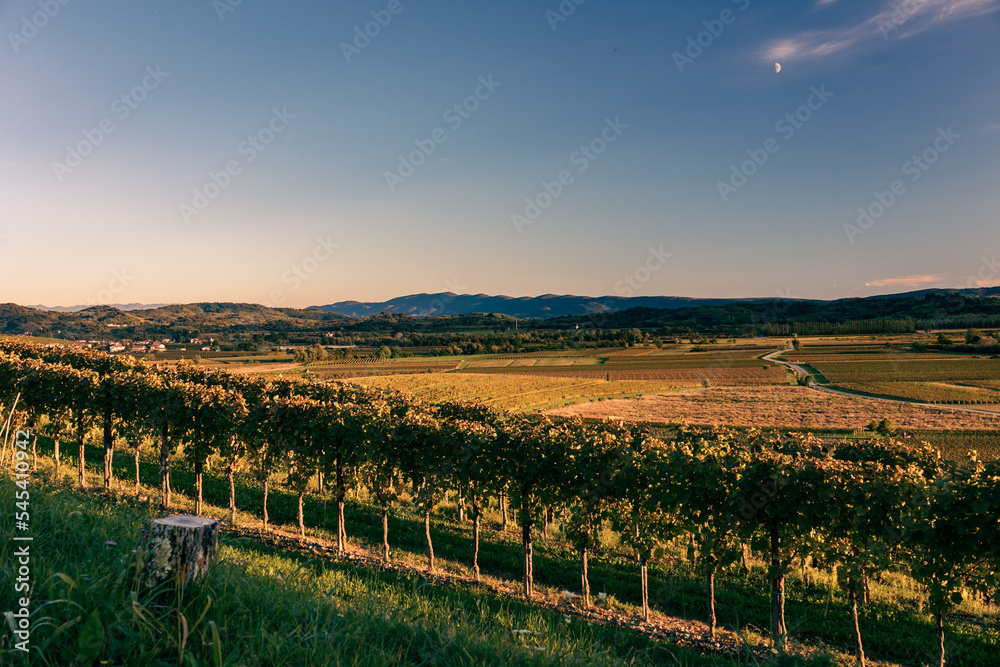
(862, 509)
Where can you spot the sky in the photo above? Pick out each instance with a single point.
(297, 154)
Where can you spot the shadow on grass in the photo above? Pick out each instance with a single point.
(893, 629)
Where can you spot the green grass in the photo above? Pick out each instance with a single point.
(814, 374)
(895, 626)
(260, 606)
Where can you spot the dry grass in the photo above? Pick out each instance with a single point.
(777, 407)
(517, 392)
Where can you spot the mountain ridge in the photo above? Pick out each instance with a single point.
(547, 306)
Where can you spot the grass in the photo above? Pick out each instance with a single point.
(281, 608)
(814, 374)
(260, 606)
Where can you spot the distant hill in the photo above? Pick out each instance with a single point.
(545, 306)
(203, 317)
(563, 305)
(447, 312)
(979, 292)
(119, 306)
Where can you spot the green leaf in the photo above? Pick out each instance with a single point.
(91, 638)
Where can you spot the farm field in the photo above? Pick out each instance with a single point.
(926, 392)
(697, 376)
(658, 369)
(676, 367)
(955, 445)
(541, 381)
(330, 371)
(776, 407)
(518, 393)
(891, 372)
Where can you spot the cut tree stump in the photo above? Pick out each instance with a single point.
(177, 548)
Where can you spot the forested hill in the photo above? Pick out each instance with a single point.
(550, 306)
(928, 310)
(979, 308)
(545, 306)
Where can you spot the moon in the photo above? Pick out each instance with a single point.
(777, 67)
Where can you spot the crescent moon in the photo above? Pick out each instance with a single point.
(777, 67)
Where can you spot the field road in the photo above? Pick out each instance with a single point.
(818, 387)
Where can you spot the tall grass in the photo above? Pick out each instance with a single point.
(263, 607)
(71, 540)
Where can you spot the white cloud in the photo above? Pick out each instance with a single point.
(901, 19)
(907, 281)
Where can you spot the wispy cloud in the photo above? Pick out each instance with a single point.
(906, 281)
(898, 20)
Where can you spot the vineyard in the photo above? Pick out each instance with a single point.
(957, 444)
(887, 372)
(923, 392)
(518, 362)
(866, 508)
(346, 371)
(983, 384)
(674, 368)
(673, 377)
(778, 407)
(517, 393)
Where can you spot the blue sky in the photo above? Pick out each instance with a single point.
(275, 153)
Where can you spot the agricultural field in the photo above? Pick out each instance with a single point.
(698, 376)
(928, 377)
(926, 392)
(675, 367)
(777, 407)
(518, 393)
(955, 445)
(542, 381)
(654, 368)
(37, 340)
(496, 363)
(341, 371)
(729, 385)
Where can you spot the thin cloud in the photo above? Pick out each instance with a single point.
(907, 281)
(897, 20)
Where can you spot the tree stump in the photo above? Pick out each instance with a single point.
(177, 548)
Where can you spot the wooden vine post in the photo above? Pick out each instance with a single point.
(177, 548)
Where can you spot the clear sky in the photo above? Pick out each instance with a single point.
(305, 153)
